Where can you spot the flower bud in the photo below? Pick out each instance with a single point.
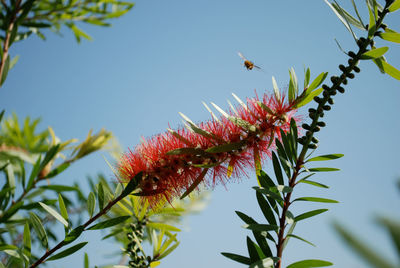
(314, 140)
(330, 101)
(341, 89)
(356, 69)
(312, 146)
(305, 126)
(326, 107)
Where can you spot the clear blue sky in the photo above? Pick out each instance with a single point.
(165, 57)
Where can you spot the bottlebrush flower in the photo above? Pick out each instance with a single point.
(211, 152)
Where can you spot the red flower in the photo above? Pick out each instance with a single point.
(173, 161)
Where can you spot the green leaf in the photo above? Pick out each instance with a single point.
(307, 74)
(27, 238)
(237, 258)
(372, 23)
(39, 229)
(316, 199)
(109, 223)
(314, 183)
(290, 231)
(63, 209)
(309, 97)
(91, 204)
(265, 208)
(59, 188)
(323, 169)
(348, 17)
(132, 184)
(374, 53)
(300, 238)
(339, 14)
(54, 213)
(392, 37)
(10, 178)
(168, 251)
(390, 70)
(251, 247)
(325, 157)
(228, 147)
(11, 211)
(394, 230)
(268, 193)
(309, 264)
(14, 61)
(317, 81)
(100, 195)
(163, 226)
(195, 183)
(67, 252)
(186, 150)
(74, 234)
(261, 227)
(86, 261)
(57, 170)
(35, 171)
(370, 255)
(309, 214)
(394, 6)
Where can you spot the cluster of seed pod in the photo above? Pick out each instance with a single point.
(133, 248)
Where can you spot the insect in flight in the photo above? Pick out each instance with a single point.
(248, 64)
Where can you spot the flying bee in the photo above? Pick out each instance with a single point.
(248, 64)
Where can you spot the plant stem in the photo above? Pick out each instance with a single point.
(300, 161)
(85, 225)
(7, 38)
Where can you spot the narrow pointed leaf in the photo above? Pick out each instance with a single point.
(265, 208)
(57, 170)
(277, 168)
(390, 70)
(261, 227)
(323, 169)
(309, 97)
(163, 226)
(316, 199)
(317, 81)
(86, 261)
(109, 223)
(372, 23)
(290, 231)
(251, 247)
(27, 238)
(257, 161)
(91, 204)
(370, 255)
(228, 147)
(394, 229)
(325, 157)
(394, 6)
(39, 229)
(100, 195)
(392, 37)
(54, 213)
(300, 238)
(74, 234)
(309, 214)
(67, 252)
(314, 183)
(195, 183)
(374, 53)
(310, 264)
(269, 193)
(132, 184)
(237, 258)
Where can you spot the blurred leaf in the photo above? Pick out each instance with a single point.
(309, 214)
(11, 211)
(67, 252)
(394, 230)
(57, 170)
(325, 157)
(309, 264)
(54, 213)
(237, 258)
(59, 188)
(39, 229)
(369, 255)
(100, 195)
(86, 261)
(316, 199)
(27, 238)
(168, 251)
(228, 147)
(394, 6)
(91, 204)
(5, 70)
(109, 223)
(163, 226)
(35, 171)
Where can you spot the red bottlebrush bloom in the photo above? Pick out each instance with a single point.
(210, 152)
